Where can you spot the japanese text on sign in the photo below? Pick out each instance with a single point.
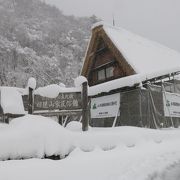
(64, 101)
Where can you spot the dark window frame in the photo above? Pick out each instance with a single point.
(93, 75)
(99, 74)
(105, 67)
(106, 72)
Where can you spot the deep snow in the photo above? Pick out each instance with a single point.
(121, 153)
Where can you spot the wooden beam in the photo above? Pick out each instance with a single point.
(85, 114)
(30, 98)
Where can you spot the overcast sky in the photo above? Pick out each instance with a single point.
(157, 20)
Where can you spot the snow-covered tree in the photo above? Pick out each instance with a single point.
(37, 40)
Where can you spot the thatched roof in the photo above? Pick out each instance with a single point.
(138, 55)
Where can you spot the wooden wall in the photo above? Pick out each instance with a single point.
(104, 58)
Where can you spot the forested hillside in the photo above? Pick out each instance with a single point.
(37, 40)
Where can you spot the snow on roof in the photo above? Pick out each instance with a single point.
(11, 100)
(149, 59)
(128, 81)
(115, 84)
(145, 56)
(53, 90)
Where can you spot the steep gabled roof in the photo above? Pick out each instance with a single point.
(98, 33)
(144, 56)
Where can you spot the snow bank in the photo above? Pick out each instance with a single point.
(121, 163)
(109, 138)
(11, 101)
(36, 136)
(101, 153)
(3, 126)
(33, 136)
(74, 126)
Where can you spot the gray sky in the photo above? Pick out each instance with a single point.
(155, 19)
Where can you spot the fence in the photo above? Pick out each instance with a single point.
(144, 107)
(65, 104)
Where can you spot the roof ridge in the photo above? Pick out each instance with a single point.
(136, 35)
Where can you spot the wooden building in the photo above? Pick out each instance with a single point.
(104, 62)
(116, 53)
(118, 61)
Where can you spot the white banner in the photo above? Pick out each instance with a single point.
(171, 104)
(105, 106)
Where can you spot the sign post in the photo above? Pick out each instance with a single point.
(85, 116)
(31, 87)
(30, 100)
(66, 103)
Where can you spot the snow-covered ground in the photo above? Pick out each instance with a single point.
(122, 153)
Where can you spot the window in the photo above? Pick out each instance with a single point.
(105, 73)
(101, 74)
(109, 72)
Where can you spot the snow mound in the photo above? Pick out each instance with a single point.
(34, 136)
(130, 137)
(3, 126)
(74, 126)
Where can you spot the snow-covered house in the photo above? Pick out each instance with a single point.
(120, 61)
(116, 53)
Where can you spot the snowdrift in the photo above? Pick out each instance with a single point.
(36, 136)
(33, 137)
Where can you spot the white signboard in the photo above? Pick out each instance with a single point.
(105, 106)
(171, 104)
